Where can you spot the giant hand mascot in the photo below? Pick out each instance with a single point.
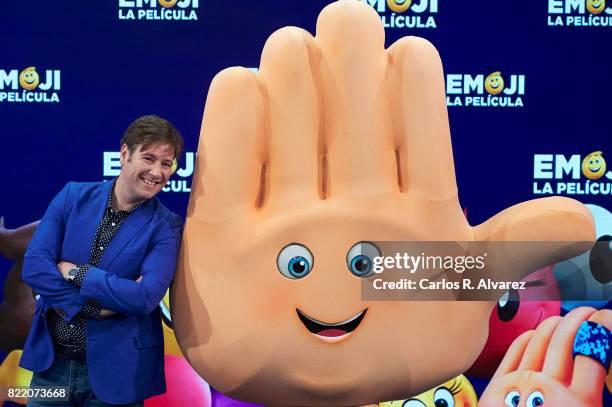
(335, 142)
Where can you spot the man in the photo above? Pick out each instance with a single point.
(101, 259)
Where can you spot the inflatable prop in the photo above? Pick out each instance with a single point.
(562, 363)
(335, 142)
(517, 312)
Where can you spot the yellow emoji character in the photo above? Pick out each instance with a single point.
(170, 345)
(12, 376)
(174, 166)
(457, 392)
(167, 3)
(28, 78)
(594, 165)
(494, 83)
(596, 6)
(399, 6)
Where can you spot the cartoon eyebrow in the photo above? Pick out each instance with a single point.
(456, 387)
(536, 283)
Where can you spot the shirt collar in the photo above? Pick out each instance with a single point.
(109, 201)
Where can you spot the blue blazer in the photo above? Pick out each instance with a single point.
(125, 354)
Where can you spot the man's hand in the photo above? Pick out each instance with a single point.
(64, 267)
(105, 313)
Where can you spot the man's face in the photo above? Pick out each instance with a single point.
(145, 172)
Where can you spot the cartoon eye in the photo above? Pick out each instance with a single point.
(513, 399)
(361, 257)
(413, 403)
(535, 399)
(294, 261)
(508, 305)
(444, 398)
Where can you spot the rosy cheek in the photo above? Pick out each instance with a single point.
(554, 399)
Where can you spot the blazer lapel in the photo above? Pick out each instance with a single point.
(130, 227)
(93, 210)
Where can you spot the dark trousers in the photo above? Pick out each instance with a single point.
(71, 374)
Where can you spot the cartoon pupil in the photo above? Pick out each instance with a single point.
(360, 258)
(512, 399)
(535, 399)
(508, 305)
(294, 261)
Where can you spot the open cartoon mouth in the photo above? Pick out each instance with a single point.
(331, 332)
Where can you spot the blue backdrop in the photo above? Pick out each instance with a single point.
(112, 70)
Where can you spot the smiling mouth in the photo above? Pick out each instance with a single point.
(149, 182)
(331, 332)
(594, 169)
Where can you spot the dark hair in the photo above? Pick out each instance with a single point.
(150, 129)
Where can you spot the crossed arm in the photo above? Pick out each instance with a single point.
(89, 311)
(44, 271)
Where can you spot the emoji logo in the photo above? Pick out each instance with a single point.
(167, 3)
(595, 6)
(28, 78)
(594, 165)
(494, 83)
(399, 6)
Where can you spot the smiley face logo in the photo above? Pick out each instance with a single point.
(28, 78)
(167, 3)
(596, 6)
(594, 165)
(399, 6)
(494, 83)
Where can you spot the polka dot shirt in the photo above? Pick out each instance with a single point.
(73, 333)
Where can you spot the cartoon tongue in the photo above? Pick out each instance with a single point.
(331, 332)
